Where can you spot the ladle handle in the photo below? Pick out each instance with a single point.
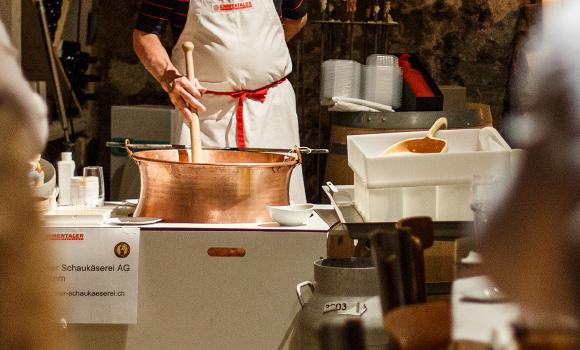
(188, 51)
(196, 152)
(439, 123)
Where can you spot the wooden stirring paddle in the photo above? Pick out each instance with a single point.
(427, 144)
(196, 151)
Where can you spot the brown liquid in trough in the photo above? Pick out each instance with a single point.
(424, 145)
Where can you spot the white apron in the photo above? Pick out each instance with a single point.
(240, 47)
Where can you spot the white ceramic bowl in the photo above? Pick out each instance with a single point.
(291, 215)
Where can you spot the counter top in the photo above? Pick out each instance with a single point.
(314, 224)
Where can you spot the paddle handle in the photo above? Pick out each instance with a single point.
(439, 123)
(195, 132)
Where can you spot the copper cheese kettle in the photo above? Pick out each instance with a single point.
(228, 187)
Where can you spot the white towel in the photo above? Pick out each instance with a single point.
(341, 106)
(349, 104)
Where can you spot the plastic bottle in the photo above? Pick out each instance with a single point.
(66, 170)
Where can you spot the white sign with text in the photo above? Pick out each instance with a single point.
(95, 272)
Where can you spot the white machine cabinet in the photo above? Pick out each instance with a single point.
(190, 300)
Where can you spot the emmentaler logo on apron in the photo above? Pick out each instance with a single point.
(233, 6)
(122, 250)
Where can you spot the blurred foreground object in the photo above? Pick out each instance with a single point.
(19, 100)
(531, 245)
(28, 313)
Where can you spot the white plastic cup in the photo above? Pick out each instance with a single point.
(97, 171)
(382, 60)
(76, 193)
(91, 191)
(484, 192)
(84, 191)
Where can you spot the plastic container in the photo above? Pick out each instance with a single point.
(84, 191)
(66, 170)
(389, 204)
(470, 152)
(387, 188)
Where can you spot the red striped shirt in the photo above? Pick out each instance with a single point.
(156, 14)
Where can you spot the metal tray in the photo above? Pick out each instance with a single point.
(342, 201)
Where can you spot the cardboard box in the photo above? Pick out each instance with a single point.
(454, 97)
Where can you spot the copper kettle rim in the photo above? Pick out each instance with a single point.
(285, 159)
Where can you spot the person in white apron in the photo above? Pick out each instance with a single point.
(241, 63)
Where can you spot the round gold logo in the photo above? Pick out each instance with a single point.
(122, 250)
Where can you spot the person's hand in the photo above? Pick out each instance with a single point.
(185, 95)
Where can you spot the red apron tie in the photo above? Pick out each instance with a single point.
(257, 95)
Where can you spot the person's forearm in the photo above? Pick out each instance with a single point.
(154, 57)
(293, 26)
(184, 94)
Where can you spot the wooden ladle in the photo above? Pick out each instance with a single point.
(427, 144)
(196, 151)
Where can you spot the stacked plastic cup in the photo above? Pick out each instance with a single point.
(339, 78)
(382, 80)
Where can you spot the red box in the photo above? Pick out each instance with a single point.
(415, 103)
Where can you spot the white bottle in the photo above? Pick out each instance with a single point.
(66, 170)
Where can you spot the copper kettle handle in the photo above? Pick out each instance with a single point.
(299, 154)
(298, 158)
(129, 152)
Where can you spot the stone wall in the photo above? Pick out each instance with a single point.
(464, 42)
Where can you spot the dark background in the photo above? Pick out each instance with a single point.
(471, 43)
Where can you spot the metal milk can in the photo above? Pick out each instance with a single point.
(342, 289)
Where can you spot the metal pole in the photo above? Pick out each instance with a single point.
(323, 26)
(351, 46)
(351, 9)
(54, 72)
(376, 9)
(367, 18)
